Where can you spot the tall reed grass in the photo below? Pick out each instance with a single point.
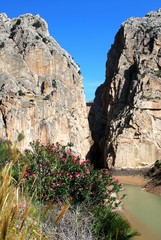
(19, 218)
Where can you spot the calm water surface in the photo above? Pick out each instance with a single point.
(144, 212)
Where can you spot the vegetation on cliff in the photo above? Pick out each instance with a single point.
(154, 178)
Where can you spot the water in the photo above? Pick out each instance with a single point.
(144, 212)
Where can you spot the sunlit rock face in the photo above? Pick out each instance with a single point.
(126, 116)
(41, 91)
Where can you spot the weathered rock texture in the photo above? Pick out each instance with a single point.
(41, 92)
(126, 117)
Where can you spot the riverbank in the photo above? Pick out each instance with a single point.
(131, 176)
(142, 210)
(139, 177)
(136, 177)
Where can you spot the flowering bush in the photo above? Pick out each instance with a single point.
(55, 173)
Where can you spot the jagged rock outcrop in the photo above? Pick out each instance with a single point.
(41, 92)
(129, 106)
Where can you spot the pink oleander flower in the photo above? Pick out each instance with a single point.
(87, 171)
(58, 184)
(115, 179)
(91, 193)
(59, 203)
(23, 179)
(67, 152)
(77, 175)
(107, 172)
(70, 198)
(83, 163)
(103, 204)
(34, 175)
(58, 174)
(110, 188)
(26, 174)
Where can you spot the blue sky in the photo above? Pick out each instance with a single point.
(84, 28)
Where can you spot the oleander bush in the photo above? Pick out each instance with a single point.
(48, 193)
(55, 173)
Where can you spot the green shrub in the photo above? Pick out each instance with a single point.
(37, 37)
(12, 34)
(1, 44)
(21, 93)
(6, 152)
(45, 40)
(59, 175)
(54, 85)
(18, 22)
(111, 225)
(37, 24)
(157, 164)
(20, 137)
(13, 28)
(157, 73)
(47, 97)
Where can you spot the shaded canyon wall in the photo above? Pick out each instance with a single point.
(125, 118)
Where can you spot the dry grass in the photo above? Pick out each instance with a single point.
(18, 217)
(75, 224)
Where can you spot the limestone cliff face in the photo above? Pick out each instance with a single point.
(127, 108)
(41, 92)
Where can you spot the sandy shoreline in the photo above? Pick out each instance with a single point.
(131, 176)
(138, 177)
(133, 180)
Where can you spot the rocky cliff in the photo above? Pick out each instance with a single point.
(126, 116)
(41, 92)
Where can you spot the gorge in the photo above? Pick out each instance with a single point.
(42, 96)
